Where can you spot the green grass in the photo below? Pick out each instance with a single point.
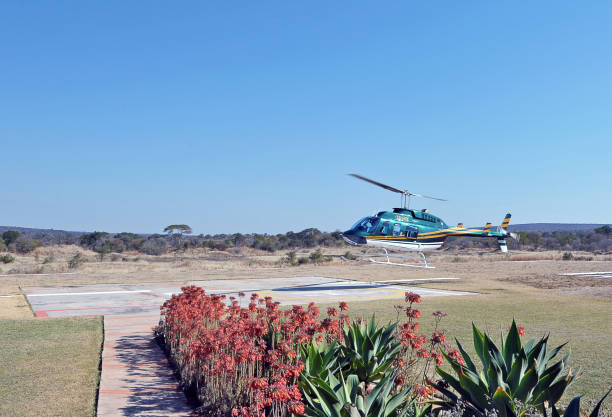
(583, 322)
(49, 367)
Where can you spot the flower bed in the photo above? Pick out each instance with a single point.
(246, 361)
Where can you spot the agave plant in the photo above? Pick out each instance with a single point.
(511, 374)
(573, 409)
(319, 359)
(416, 411)
(369, 350)
(349, 398)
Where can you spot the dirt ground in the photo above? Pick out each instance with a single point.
(479, 271)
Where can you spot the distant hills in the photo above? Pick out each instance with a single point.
(34, 231)
(526, 227)
(554, 227)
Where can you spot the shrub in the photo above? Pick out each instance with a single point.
(369, 350)
(7, 258)
(317, 257)
(241, 359)
(290, 258)
(76, 261)
(568, 256)
(10, 236)
(336, 397)
(349, 255)
(90, 240)
(25, 244)
(2, 245)
(48, 259)
(513, 374)
(154, 246)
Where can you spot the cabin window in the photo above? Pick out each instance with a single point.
(396, 229)
(367, 224)
(385, 228)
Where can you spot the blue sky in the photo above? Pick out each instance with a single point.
(247, 116)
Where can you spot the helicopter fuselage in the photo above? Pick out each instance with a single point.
(414, 230)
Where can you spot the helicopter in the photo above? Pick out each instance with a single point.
(412, 231)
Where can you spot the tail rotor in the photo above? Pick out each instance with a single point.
(503, 245)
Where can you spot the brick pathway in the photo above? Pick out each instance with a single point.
(136, 379)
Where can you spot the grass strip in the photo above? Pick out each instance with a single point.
(49, 367)
(583, 322)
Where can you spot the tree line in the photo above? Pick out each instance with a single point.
(598, 240)
(179, 237)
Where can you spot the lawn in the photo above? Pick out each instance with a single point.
(14, 306)
(49, 367)
(583, 322)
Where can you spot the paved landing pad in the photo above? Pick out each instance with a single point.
(116, 299)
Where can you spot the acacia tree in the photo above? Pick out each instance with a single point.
(179, 229)
(175, 233)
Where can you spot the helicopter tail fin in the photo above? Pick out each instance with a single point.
(486, 229)
(506, 221)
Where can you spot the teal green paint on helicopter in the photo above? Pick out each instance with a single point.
(430, 228)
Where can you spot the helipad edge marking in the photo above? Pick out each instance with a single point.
(87, 293)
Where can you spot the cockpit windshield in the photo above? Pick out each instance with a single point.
(367, 224)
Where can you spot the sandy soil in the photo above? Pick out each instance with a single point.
(479, 271)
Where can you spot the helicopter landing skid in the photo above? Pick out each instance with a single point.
(368, 256)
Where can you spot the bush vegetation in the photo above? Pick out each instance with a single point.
(76, 261)
(6, 258)
(179, 238)
(25, 244)
(10, 236)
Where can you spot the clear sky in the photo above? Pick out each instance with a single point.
(247, 116)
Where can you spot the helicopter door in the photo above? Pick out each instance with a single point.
(396, 229)
(412, 232)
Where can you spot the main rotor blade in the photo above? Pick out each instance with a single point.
(386, 187)
(426, 196)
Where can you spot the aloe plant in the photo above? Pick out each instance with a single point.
(510, 374)
(320, 359)
(369, 349)
(340, 397)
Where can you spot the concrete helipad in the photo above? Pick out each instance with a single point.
(116, 299)
(136, 379)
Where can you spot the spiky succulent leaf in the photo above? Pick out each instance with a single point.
(512, 346)
(503, 403)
